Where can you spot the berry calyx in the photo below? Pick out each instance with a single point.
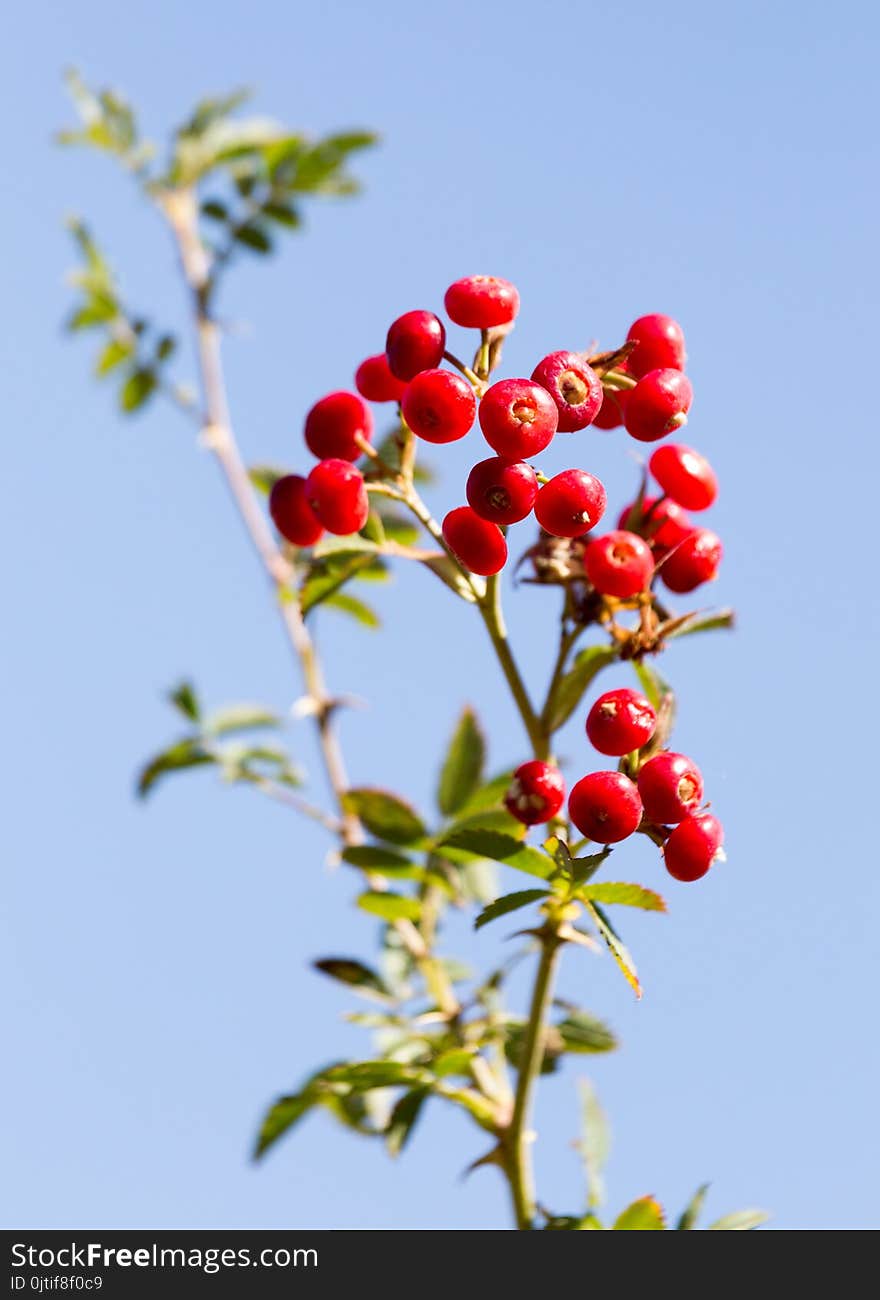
(571, 503)
(416, 341)
(574, 386)
(671, 786)
(336, 492)
(621, 721)
(663, 523)
(518, 418)
(658, 404)
(693, 846)
(374, 381)
(481, 302)
(684, 475)
(610, 413)
(536, 793)
(439, 406)
(479, 544)
(659, 344)
(694, 561)
(605, 806)
(502, 491)
(291, 513)
(619, 564)
(334, 424)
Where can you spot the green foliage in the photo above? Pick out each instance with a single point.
(509, 903)
(354, 974)
(616, 947)
(581, 1031)
(594, 1144)
(462, 770)
(607, 891)
(390, 907)
(479, 843)
(644, 1215)
(691, 1212)
(740, 1221)
(574, 684)
(386, 815)
(716, 621)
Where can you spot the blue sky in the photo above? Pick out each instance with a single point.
(716, 163)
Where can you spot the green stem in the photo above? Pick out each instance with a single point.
(493, 618)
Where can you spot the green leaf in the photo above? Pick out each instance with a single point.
(253, 236)
(327, 575)
(403, 1119)
(691, 1212)
(740, 1221)
(166, 347)
(572, 687)
(184, 698)
(185, 754)
(607, 891)
(616, 947)
(264, 477)
(215, 210)
(449, 573)
(719, 620)
(385, 815)
(347, 970)
(366, 1075)
(594, 1144)
(239, 717)
(644, 1215)
(456, 1061)
(509, 903)
(97, 311)
(501, 848)
(356, 609)
(370, 857)
(283, 1114)
(138, 388)
(112, 355)
(285, 214)
(463, 765)
(390, 907)
(490, 794)
(654, 686)
(582, 1032)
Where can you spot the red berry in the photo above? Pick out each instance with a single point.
(610, 413)
(336, 492)
(662, 522)
(658, 404)
(481, 302)
(693, 562)
(374, 381)
(536, 792)
(574, 387)
(479, 544)
(693, 846)
(671, 786)
(684, 475)
(518, 418)
(605, 806)
(439, 406)
(502, 491)
(291, 513)
(619, 564)
(620, 721)
(571, 504)
(659, 344)
(333, 424)
(415, 342)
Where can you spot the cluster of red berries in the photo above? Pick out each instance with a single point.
(661, 791)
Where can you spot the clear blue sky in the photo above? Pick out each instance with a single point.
(716, 162)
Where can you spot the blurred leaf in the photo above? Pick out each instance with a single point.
(654, 686)
(356, 609)
(364, 1075)
(390, 907)
(572, 687)
(403, 1119)
(353, 973)
(720, 620)
(138, 388)
(185, 754)
(372, 858)
(166, 347)
(283, 1114)
(253, 236)
(490, 794)
(282, 213)
(264, 477)
(582, 1032)
(508, 903)
(113, 353)
(740, 1221)
(327, 575)
(184, 698)
(239, 717)
(691, 1212)
(594, 1144)
(215, 210)
(463, 765)
(451, 575)
(644, 1215)
(456, 1061)
(606, 891)
(501, 848)
(385, 815)
(616, 947)
(98, 310)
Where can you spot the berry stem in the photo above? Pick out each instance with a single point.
(466, 371)
(493, 618)
(617, 379)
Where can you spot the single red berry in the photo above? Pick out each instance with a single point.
(659, 344)
(291, 513)
(671, 786)
(415, 342)
(481, 302)
(684, 475)
(605, 806)
(619, 564)
(518, 418)
(611, 412)
(663, 523)
(571, 503)
(620, 721)
(333, 425)
(536, 792)
(336, 491)
(574, 386)
(693, 562)
(479, 544)
(374, 381)
(439, 406)
(693, 846)
(502, 491)
(658, 404)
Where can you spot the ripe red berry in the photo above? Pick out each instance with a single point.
(658, 404)
(291, 513)
(693, 846)
(374, 381)
(574, 386)
(336, 492)
(481, 302)
(536, 792)
(611, 412)
(671, 786)
(333, 424)
(619, 564)
(439, 406)
(518, 418)
(659, 344)
(571, 503)
(415, 342)
(620, 721)
(662, 522)
(479, 544)
(605, 806)
(684, 475)
(502, 491)
(693, 562)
